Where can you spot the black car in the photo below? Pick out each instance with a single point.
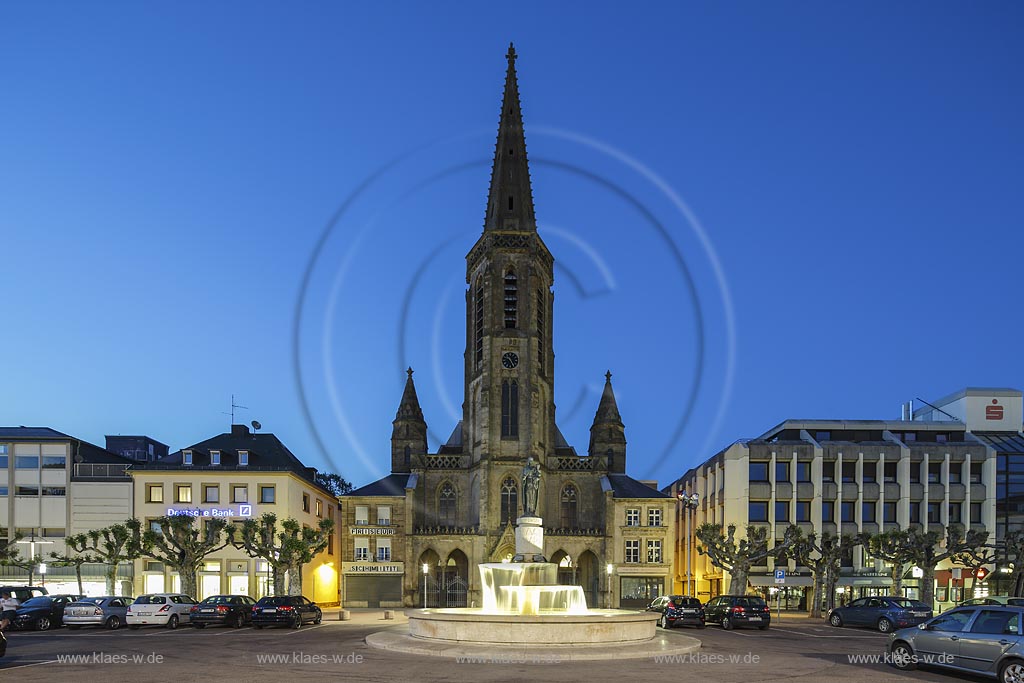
(285, 610)
(23, 593)
(44, 612)
(731, 611)
(676, 609)
(230, 610)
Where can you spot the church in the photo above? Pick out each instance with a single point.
(415, 537)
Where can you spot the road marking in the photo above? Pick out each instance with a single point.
(304, 630)
(811, 635)
(232, 632)
(22, 666)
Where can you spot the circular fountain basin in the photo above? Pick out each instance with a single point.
(474, 627)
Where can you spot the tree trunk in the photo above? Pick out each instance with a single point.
(188, 581)
(295, 579)
(928, 587)
(737, 581)
(831, 579)
(1018, 582)
(111, 579)
(897, 579)
(815, 606)
(279, 580)
(78, 575)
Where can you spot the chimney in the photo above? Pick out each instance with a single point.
(239, 430)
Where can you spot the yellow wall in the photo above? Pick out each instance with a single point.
(319, 577)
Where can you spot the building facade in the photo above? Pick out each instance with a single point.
(934, 468)
(137, 448)
(451, 510)
(53, 485)
(235, 476)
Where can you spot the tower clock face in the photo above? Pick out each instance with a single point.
(510, 360)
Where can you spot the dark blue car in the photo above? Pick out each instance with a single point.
(885, 613)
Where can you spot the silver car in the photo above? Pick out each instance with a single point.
(983, 640)
(108, 611)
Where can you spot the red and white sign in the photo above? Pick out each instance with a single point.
(994, 411)
(980, 573)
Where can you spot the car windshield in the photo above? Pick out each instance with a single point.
(151, 600)
(910, 604)
(751, 602)
(36, 602)
(276, 601)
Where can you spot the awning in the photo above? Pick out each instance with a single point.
(864, 581)
(806, 581)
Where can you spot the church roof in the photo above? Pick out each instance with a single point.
(510, 199)
(391, 485)
(608, 408)
(624, 486)
(409, 408)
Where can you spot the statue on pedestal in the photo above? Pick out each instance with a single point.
(531, 487)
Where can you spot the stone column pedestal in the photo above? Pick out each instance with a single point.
(530, 539)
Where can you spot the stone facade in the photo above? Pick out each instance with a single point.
(459, 504)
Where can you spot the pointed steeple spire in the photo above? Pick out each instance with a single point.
(608, 434)
(608, 409)
(409, 408)
(409, 430)
(510, 200)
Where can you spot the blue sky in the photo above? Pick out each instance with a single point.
(172, 173)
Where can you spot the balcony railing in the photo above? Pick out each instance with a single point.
(88, 470)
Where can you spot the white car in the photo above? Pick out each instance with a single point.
(159, 609)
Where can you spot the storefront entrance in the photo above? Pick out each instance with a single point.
(636, 592)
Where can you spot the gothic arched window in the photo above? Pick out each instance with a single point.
(569, 519)
(511, 299)
(509, 501)
(446, 505)
(509, 409)
(478, 320)
(408, 456)
(611, 457)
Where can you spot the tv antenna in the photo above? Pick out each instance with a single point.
(233, 406)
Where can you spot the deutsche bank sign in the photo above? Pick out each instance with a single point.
(241, 511)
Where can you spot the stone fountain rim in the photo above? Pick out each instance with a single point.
(474, 614)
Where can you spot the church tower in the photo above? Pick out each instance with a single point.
(509, 411)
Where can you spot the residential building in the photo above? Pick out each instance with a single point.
(137, 448)
(235, 476)
(456, 508)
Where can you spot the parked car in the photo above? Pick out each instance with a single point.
(993, 600)
(730, 611)
(886, 613)
(23, 593)
(285, 610)
(159, 609)
(982, 640)
(676, 609)
(108, 611)
(43, 612)
(230, 610)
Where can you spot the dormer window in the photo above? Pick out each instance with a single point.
(214, 457)
(186, 458)
(243, 458)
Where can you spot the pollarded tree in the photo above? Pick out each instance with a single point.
(76, 560)
(737, 557)
(286, 548)
(823, 557)
(1012, 548)
(895, 548)
(111, 546)
(181, 544)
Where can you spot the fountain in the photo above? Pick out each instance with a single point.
(527, 613)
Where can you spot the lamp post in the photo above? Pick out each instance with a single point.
(32, 542)
(426, 570)
(689, 503)
(609, 569)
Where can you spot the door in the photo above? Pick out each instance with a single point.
(940, 641)
(711, 611)
(991, 634)
(853, 613)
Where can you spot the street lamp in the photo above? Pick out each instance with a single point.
(609, 569)
(32, 542)
(426, 570)
(689, 502)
